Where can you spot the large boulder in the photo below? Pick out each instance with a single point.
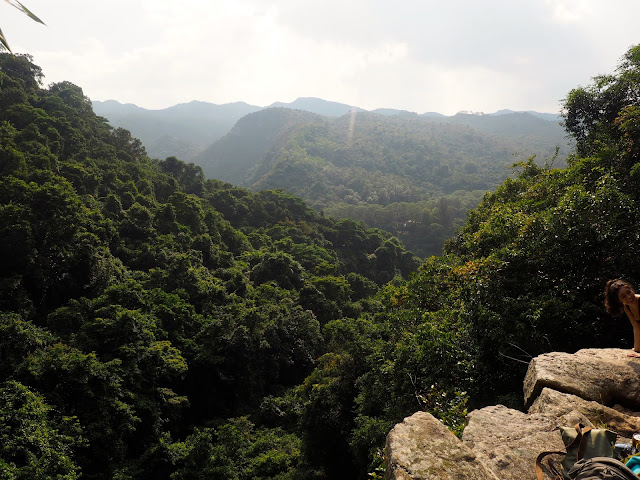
(508, 441)
(595, 387)
(607, 376)
(422, 448)
(558, 405)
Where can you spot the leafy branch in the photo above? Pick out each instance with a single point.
(23, 9)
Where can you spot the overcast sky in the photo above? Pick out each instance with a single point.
(418, 55)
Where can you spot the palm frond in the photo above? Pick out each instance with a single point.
(4, 42)
(25, 10)
(4, 45)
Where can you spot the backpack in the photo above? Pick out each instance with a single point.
(601, 468)
(581, 443)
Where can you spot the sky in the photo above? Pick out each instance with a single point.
(440, 56)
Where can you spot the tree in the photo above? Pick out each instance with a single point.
(237, 450)
(82, 386)
(33, 444)
(18, 339)
(143, 316)
(600, 116)
(279, 267)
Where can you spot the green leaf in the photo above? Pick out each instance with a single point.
(24, 10)
(4, 42)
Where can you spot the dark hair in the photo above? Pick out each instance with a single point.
(611, 301)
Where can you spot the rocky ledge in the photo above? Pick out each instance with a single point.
(596, 387)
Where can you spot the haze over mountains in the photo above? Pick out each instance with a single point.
(186, 129)
(157, 324)
(182, 130)
(413, 175)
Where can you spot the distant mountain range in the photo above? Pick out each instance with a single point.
(264, 148)
(186, 130)
(413, 175)
(183, 130)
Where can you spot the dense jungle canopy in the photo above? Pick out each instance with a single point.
(416, 176)
(155, 324)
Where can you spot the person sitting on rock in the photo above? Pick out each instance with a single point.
(620, 296)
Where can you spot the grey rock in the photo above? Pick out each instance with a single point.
(508, 441)
(595, 387)
(422, 448)
(560, 405)
(607, 376)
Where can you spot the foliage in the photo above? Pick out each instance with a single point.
(410, 175)
(237, 451)
(33, 444)
(540, 248)
(15, 3)
(600, 116)
(523, 277)
(158, 325)
(153, 310)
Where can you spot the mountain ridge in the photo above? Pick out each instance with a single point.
(413, 175)
(310, 104)
(187, 129)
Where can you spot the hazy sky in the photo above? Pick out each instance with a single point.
(419, 55)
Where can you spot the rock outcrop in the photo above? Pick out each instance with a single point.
(607, 376)
(442, 455)
(596, 387)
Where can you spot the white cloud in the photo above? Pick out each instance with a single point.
(417, 55)
(243, 54)
(570, 11)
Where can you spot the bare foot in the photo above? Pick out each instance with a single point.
(633, 354)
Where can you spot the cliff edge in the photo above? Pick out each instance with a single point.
(597, 387)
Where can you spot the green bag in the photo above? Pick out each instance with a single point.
(601, 468)
(586, 442)
(580, 443)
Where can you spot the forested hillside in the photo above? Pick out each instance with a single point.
(185, 130)
(149, 317)
(415, 176)
(416, 190)
(157, 325)
(526, 273)
(241, 151)
(182, 131)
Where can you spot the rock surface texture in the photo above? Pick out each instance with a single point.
(596, 387)
(606, 376)
(441, 455)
